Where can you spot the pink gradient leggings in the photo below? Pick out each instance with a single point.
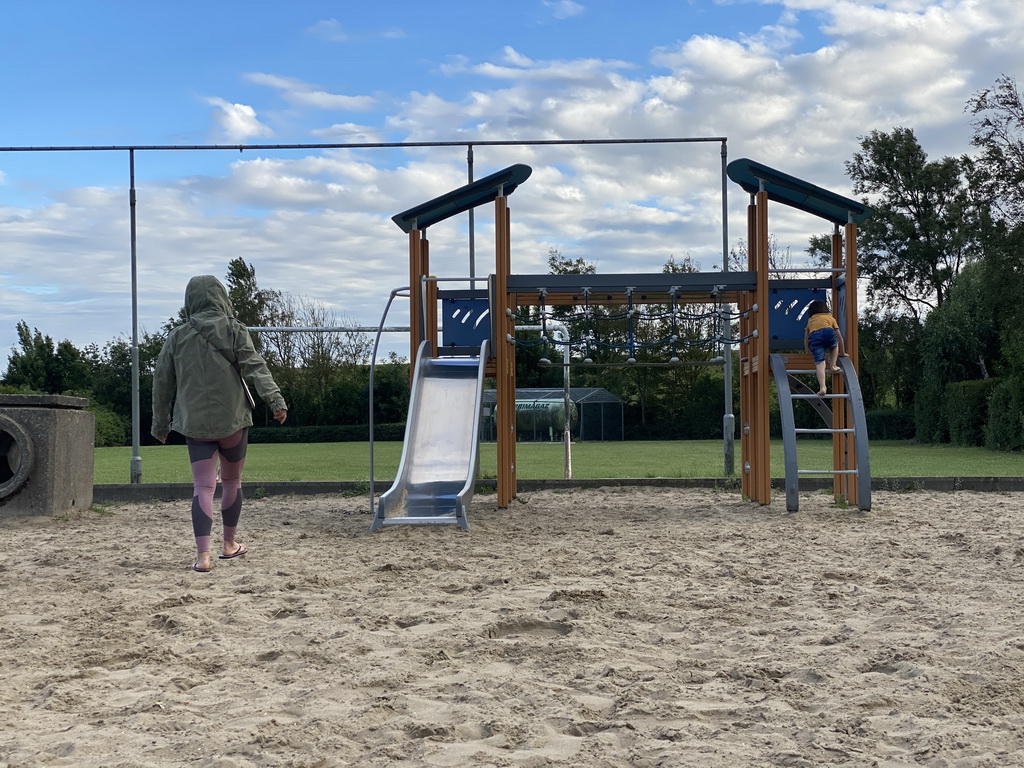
(203, 455)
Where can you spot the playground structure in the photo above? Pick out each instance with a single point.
(770, 322)
(752, 291)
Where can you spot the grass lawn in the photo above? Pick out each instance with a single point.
(350, 462)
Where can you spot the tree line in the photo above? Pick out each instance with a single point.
(323, 375)
(941, 354)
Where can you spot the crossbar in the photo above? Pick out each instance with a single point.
(640, 283)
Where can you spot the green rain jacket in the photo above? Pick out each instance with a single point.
(197, 381)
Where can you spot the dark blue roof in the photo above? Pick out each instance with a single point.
(475, 193)
(783, 188)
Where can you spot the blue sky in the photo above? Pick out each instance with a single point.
(791, 83)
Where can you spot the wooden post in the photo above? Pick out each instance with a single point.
(415, 302)
(505, 363)
(762, 373)
(748, 402)
(850, 336)
(744, 304)
(430, 299)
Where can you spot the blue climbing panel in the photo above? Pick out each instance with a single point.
(787, 315)
(465, 322)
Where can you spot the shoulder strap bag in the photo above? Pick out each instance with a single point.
(233, 361)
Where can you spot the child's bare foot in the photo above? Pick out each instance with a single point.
(836, 369)
(822, 392)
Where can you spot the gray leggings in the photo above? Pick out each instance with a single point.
(203, 455)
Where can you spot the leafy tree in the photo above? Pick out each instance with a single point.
(999, 177)
(41, 366)
(999, 134)
(959, 343)
(923, 230)
(562, 265)
(890, 359)
(529, 372)
(111, 380)
(778, 257)
(252, 304)
(317, 370)
(391, 390)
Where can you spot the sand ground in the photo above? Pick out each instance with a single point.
(603, 627)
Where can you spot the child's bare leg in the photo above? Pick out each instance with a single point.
(819, 371)
(833, 358)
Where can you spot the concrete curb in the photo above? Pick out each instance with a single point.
(108, 493)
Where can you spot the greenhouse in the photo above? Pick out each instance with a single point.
(594, 414)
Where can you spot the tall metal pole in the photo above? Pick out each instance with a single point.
(136, 461)
(729, 419)
(472, 221)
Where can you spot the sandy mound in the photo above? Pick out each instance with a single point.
(610, 627)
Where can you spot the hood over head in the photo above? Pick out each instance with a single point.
(205, 293)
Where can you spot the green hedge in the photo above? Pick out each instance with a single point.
(890, 424)
(966, 407)
(1004, 430)
(356, 433)
(111, 428)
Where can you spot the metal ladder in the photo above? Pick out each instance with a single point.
(791, 388)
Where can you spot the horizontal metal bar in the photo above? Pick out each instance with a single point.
(805, 370)
(798, 270)
(679, 363)
(802, 431)
(808, 397)
(324, 329)
(365, 145)
(827, 471)
(640, 283)
(421, 520)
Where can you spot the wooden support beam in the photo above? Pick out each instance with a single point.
(763, 375)
(850, 336)
(417, 247)
(504, 353)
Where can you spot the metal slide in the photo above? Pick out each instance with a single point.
(791, 388)
(440, 455)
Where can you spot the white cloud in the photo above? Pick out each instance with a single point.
(516, 66)
(318, 223)
(324, 100)
(237, 122)
(332, 31)
(564, 9)
(350, 133)
(329, 29)
(302, 94)
(279, 82)
(515, 58)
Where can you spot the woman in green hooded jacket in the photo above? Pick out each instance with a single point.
(198, 391)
